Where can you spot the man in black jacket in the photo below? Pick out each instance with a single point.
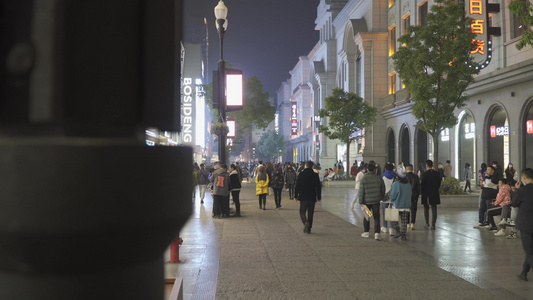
(523, 198)
(415, 187)
(429, 186)
(489, 191)
(308, 191)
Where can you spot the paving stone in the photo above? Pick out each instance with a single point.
(265, 255)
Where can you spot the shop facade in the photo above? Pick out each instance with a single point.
(496, 124)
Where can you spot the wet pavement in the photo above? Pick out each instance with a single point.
(265, 255)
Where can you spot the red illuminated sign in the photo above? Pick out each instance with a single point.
(529, 127)
(499, 131)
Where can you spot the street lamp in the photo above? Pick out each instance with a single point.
(221, 12)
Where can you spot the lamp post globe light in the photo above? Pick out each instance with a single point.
(221, 12)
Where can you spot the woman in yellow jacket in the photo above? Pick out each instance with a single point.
(261, 188)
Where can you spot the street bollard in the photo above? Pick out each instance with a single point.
(175, 250)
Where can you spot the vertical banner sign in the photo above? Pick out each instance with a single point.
(200, 114)
(187, 112)
(478, 11)
(294, 118)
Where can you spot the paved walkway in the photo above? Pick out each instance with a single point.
(265, 255)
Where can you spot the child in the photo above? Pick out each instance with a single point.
(501, 206)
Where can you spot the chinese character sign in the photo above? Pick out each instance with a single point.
(477, 11)
(294, 118)
(499, 131)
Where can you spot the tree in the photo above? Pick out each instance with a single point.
(347, 114)
(524, 10)
(271, 144)
(434, 66)
(256, 112)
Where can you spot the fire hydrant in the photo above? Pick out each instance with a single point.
(175, 250)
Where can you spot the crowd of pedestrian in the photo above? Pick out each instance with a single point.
(398, 190)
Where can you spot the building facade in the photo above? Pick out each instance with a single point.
(357, 40)
(497, 122)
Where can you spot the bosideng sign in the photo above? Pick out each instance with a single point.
(187, 112)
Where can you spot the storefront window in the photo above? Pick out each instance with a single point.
(391, 153)
(498, 137)
(421, 146)
(444, 145)
(467, 135)
(528, 138)
(405, 146)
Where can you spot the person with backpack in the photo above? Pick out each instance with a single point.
(220, 180)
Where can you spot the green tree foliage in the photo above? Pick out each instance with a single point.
(271, 145)
(257, 111)
(347, 114)
(434, 66)
(524, 10)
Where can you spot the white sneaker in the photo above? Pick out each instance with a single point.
(377, 237)
(502, 222)
(512, 223)
(384, 229)
(365, 234)
(478, 225)
(391, 231)
(501, 232)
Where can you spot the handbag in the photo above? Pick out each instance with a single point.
(392, 214)
(366, 212)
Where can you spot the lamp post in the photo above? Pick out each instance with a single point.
(221, 12)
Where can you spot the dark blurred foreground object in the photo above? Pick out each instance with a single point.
(86, 208)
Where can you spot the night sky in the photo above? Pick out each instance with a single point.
(264, 37)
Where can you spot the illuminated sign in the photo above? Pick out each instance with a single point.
(294, 118)
(200, 114)
(478, 11)
(445, 135)
(231, 125)
(276, 123)
(470, 131)
(529, 127)
(234, 94)
(317, 118)
(499, 131)
(187, 111)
